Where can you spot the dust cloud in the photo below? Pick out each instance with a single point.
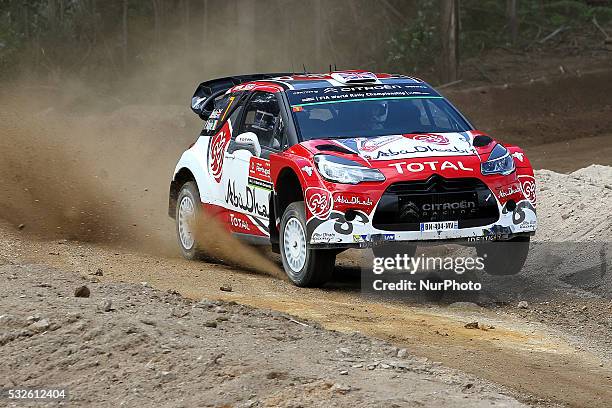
(87, 153)
(98, 176)
(89, 158)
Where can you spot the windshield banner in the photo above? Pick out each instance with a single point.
(305, 97)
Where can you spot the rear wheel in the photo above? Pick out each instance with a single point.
(188, 211)
(504, 258)
(304, 266)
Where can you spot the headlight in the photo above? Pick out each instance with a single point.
(340, 170)
(500, 162)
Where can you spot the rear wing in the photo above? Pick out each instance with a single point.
(203, 100)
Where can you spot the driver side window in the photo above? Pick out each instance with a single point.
(262, 117)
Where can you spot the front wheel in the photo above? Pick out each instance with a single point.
(304, 266)
(503, 258)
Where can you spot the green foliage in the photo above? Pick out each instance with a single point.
(414, 44)
(484, 25)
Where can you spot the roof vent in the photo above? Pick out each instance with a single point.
(355, 77)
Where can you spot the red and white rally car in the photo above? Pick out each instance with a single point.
(315, 164)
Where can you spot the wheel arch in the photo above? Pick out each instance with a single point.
(287, 189)
(181, 177)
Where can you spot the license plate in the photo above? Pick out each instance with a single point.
(439, 226)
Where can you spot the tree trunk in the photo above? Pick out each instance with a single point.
(318, 35)
(156, 23)
(52, 14)
(187, 23)
(204, 46)
(26, 24)
(512, 20)
(449, 25)
(125, 34)
(246, 10)
(205, 21)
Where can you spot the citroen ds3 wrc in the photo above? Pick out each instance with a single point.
(313, 164)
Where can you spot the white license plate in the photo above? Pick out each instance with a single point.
(439, 226)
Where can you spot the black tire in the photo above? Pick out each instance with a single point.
(189, 191)
(391, 249)
(319, 264)
(504, 258)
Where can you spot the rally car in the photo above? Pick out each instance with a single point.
(313, 164)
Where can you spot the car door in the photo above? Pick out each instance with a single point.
(247, 183)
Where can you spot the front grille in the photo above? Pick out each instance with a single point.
(405, 205)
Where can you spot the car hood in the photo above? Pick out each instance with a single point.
(396, 147)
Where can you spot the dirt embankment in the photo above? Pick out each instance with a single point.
(542, 111)
(575, 207)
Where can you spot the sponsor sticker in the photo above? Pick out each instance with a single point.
(528, 225)
(238, 222)
(434, 165)
(382, 237)
(360, 238)
(322, 237)
(259, 173)
(360, 92)
(352, 199)
(246, 202)
(509, 190)
(529, 188)
(428, 150)
(431, 138)
(216, 151)
(371, 145)
(319, 202)
(215, 114)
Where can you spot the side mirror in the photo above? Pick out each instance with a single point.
(248, 141)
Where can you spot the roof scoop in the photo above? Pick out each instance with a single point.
(355, 77)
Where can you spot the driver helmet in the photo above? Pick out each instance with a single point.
(377, 113)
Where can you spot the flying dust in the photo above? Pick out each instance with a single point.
(87, 149)
(100, 176)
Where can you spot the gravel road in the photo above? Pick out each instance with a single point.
(133, 345)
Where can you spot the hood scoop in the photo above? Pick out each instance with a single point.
(328, 147)
(482, 140)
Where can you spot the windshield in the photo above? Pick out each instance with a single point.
(361, 116)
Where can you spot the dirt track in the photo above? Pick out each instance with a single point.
(557, 351)
(154, 348)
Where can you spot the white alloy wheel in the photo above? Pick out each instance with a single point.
(305, 266)
(185, 220)
(294, 245)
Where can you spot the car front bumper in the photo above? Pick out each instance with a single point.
(359, 232)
